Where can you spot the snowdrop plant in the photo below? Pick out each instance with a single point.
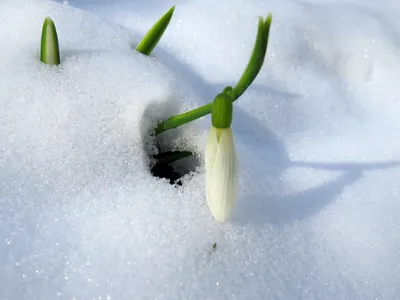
(221, 168)
(220, 160)
(49, 49)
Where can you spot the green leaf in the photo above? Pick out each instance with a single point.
(49, 49)
(171, 156)
(154, 35)
(257, 57)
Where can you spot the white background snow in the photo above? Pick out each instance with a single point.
(317, 136)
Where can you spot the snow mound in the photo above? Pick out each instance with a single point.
(318, 214)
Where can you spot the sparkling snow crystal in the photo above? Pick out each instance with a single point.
(317, 139)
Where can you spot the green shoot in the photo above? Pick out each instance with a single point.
(154, 35)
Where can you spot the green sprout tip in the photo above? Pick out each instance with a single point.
(154, 35)
(49, 49)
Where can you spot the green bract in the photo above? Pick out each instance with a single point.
(222, 110)
(154, 35)
(49, 50)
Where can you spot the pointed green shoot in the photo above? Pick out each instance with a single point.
(253, 68)
(257, 57)
(49, 49)
(222, 110)
(154, 35)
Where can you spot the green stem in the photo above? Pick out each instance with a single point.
(253, 68)
(257, 57)
(154, 35)
(183, 118)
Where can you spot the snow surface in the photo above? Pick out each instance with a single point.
(318, 215)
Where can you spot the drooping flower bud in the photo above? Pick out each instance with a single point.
(221, 161)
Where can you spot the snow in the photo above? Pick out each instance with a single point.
(318, 212)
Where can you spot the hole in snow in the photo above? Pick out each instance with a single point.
(171, 155)
(175, 170)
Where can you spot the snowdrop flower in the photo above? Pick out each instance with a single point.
(220, 161)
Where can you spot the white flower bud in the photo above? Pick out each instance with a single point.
(220, 173)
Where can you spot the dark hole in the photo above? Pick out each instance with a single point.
(165, 165)
(176, 157)
(166, 171)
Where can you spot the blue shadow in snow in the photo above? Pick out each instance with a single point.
(276, 208)
(279, 209)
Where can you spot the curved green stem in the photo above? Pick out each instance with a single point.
(250, 73)
(257, 57)
(154, 35)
